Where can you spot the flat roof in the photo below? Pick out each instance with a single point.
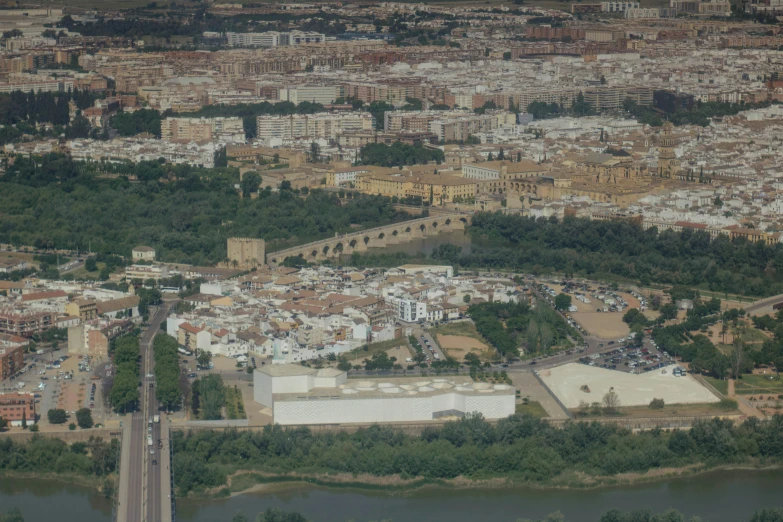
(399, 387)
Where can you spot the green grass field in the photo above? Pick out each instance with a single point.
(533, 408)
(762, 384)
(719, 384)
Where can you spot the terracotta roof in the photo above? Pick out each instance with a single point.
(40, 296)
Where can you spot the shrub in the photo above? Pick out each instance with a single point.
(657, 404)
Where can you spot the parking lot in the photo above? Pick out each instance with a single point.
(61, 381)
(627, 358)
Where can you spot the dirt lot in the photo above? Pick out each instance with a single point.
(400, 353)
(21, 256)
(603, 325)
(459, 339)
(458, 346)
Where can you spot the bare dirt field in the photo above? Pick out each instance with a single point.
(459, 339)
(400, 353)
(603, 325)
(458, 346)
(633, 390)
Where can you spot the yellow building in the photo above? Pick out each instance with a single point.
(84, 309)
(437, 188)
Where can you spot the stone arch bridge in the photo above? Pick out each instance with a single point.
(377, 237)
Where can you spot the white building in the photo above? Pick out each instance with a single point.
(300, 395)
(321, 125)
(143, 253)
(412, 311)
(323, 94)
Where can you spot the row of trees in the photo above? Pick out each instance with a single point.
(519, 448)
(124, 395)
(398, 154)
(167, 372)
(42, 107)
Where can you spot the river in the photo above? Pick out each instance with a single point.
(723, 496)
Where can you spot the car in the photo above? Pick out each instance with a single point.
(154, 462)
(504, 365)
(192, 375)
(533, 362)
(152, 451)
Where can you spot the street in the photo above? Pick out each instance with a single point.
(147, 467)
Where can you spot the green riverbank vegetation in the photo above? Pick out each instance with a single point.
(518, 450)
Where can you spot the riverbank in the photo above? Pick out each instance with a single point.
(88, 481)
(253, 482)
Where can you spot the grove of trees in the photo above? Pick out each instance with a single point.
(522, 449)
(50, 455)
(186, 219)
(509, 326)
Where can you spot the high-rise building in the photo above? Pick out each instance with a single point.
(246, 251)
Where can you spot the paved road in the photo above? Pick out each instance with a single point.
(764, 305)
(143, 498)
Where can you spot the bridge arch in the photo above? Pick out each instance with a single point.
(448, 221)
(407, 229)
(381, 235)
(338, 247)
(394, 233)
(325, 249)
(353, 243)
(422, 227)
(434, 224)
(314, 253)
(366, 239)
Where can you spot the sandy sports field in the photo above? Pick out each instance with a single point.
(458, 346)
(633, 390)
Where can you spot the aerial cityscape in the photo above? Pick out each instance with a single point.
(277, 261)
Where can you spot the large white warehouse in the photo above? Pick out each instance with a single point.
(300, 395)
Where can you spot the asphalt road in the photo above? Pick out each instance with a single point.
(144, 502)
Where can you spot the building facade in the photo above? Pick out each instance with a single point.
(246, 251)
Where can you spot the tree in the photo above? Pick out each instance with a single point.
(466, 298)
(668, 311)
(72, 426)
(84, 418)
(657, 404)
(315, 152)
(562, 302)
(250, 183)
(90, 264)
(24, 419)
(611, 402)
(203, 358)
(3, 424)
(56, 416)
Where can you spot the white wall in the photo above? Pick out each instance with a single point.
(390, 409)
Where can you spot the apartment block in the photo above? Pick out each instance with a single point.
(25, 323)
(18, 406)
(202, 129)
(323, 125)
(11, 361)
(323, 94)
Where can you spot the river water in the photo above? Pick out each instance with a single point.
(724, 496)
